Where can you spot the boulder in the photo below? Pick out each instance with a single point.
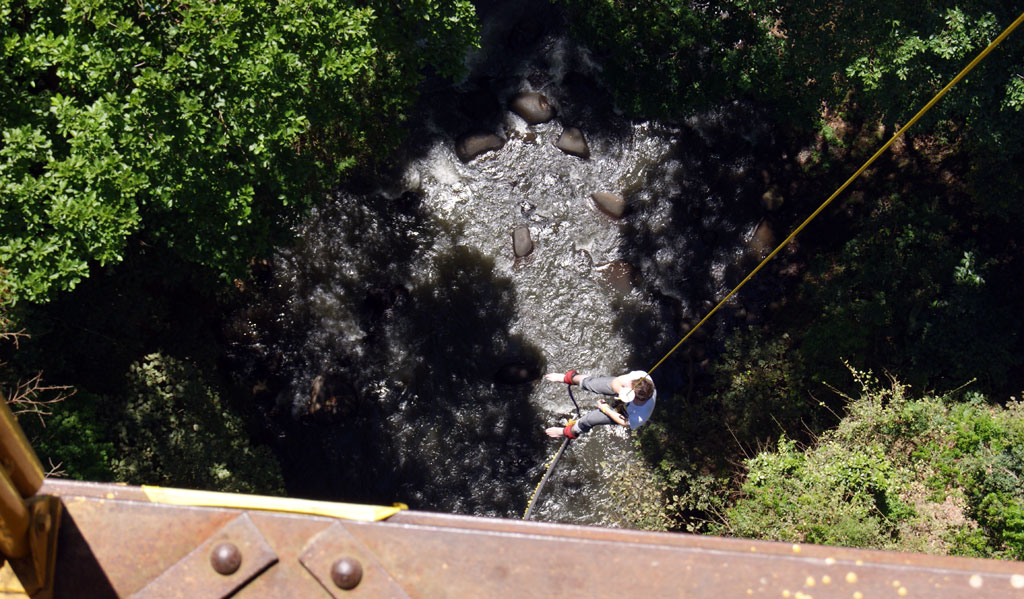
(533, 107)
(471, 145)
(618, 274)
(762, 242)
(571, 141)
(611, 204)
(522, 244)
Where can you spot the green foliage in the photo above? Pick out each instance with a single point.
(835, 495)
(73, 438)
(175, 431)
(865, 483)
(987, 447)
(205, 127)
(878, 61)
(756, 387)
(63, 427)
(905, 295)
(669, 496)
(892, 57)
(666, 58)
(885, 60)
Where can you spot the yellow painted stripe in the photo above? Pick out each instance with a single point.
(347, 511)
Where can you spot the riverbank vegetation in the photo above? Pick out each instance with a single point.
(151, 157)
(935, 474)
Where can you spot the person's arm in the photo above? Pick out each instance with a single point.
(609, 412)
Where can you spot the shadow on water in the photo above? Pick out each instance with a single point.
(711, 224)
(700, 225)
(381, 382)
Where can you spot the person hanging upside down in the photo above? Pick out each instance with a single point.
(635, 390)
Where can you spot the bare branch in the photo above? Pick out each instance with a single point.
(55, 470)
(25, 397)
(12, 336)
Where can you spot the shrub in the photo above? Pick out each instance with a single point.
(175, 431)
(920, 474)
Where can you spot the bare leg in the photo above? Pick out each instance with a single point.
(559, 377)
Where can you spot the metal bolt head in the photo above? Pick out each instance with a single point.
(346, 573)
(225, 558)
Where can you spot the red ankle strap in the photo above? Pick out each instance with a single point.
(567, 431)
(567, 379)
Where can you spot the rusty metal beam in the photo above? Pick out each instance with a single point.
(114, 542)
(20, 477)
(28, 522)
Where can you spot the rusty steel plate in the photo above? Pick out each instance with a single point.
(438, 555)
(335, 548)
(219, 566)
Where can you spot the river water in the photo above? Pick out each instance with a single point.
(385, 349)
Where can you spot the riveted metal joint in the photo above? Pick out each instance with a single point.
(347, 573)
(225, 558)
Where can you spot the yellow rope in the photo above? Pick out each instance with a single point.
(852, 178)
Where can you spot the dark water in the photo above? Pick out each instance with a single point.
(380, 348)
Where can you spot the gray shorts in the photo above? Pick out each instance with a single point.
(599, 384)
(590, 420)
(595, 384)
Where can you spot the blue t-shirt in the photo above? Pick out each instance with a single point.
(638, 415)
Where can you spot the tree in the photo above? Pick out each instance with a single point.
(906, 294)
(668, 58)
(204, 127)
(61, 426)
(872, 60)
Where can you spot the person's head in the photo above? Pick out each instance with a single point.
(640, 390)
(644, 389)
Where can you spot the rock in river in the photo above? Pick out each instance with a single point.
(611, 204)
(471, 145)
(522, 244)
(533, 107)
(618, 274)
(762, 241)
(571, 141)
